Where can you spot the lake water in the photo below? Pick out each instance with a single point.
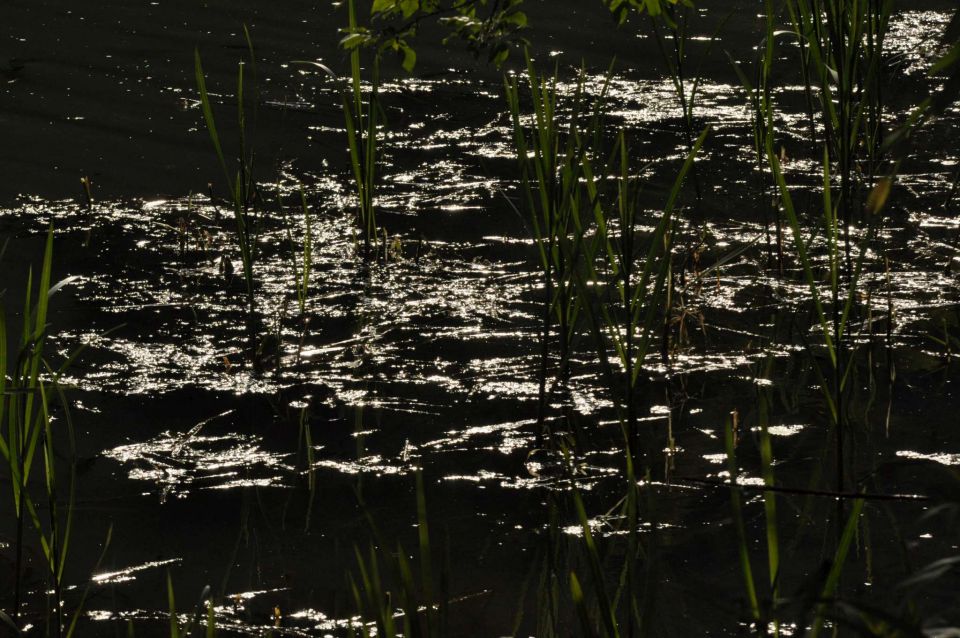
(198, 458)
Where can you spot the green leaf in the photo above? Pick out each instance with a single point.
(383, 6)
(839, 558)
(948, 60)
(208, 116)
(518, 18)
(354, 40)
(409, 7)
(171, 602)
(409, 57)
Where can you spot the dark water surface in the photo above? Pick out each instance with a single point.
(197, 457)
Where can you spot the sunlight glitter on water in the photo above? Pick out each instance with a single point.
(129, 573)
(179, 463)
(943, 458)
(429, 362)
(429, 325)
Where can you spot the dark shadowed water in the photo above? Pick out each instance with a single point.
(197, 457)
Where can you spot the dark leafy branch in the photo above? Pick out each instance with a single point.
(487, 27)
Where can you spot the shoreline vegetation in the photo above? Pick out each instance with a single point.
(620, 257)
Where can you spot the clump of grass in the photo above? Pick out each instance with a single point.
(674, 17)
(240, 183)
(390, 594)
(301, 262)
(204, 611)
(28, 388)
(622, 282)
(763, 112)
(363, 119)
(550, 158)
(594, 264)
(841, 53)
